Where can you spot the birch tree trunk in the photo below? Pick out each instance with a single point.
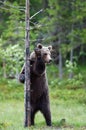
(72, 39)
(27, 121)
(71, 60)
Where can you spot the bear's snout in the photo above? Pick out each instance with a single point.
(50, 60)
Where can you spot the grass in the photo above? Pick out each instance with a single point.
(68, 106)
(68, 113)
(12, 116)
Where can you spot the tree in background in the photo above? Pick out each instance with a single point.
(63, 28)
(62, 24)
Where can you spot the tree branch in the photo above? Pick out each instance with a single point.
(36, 14)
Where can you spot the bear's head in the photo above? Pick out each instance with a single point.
(44, 53)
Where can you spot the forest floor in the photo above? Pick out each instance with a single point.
(68, 109)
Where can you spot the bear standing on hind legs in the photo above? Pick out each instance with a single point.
(39, 84)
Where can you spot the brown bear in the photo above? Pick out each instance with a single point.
(39, 84)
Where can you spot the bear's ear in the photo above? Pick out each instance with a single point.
(39, 46)
(50, 48)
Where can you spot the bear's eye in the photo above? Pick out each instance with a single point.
(45, 54)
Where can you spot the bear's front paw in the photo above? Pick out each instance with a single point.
(22, 78)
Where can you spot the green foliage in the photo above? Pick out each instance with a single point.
(53, 23)
(71, 67)
(76, 82)
(11, 43)
(15, 56)
(14, 59)
(10, 89)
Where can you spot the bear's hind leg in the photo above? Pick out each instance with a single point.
(47, 114)
(32, 117)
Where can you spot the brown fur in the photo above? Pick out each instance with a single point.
(39, 88)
